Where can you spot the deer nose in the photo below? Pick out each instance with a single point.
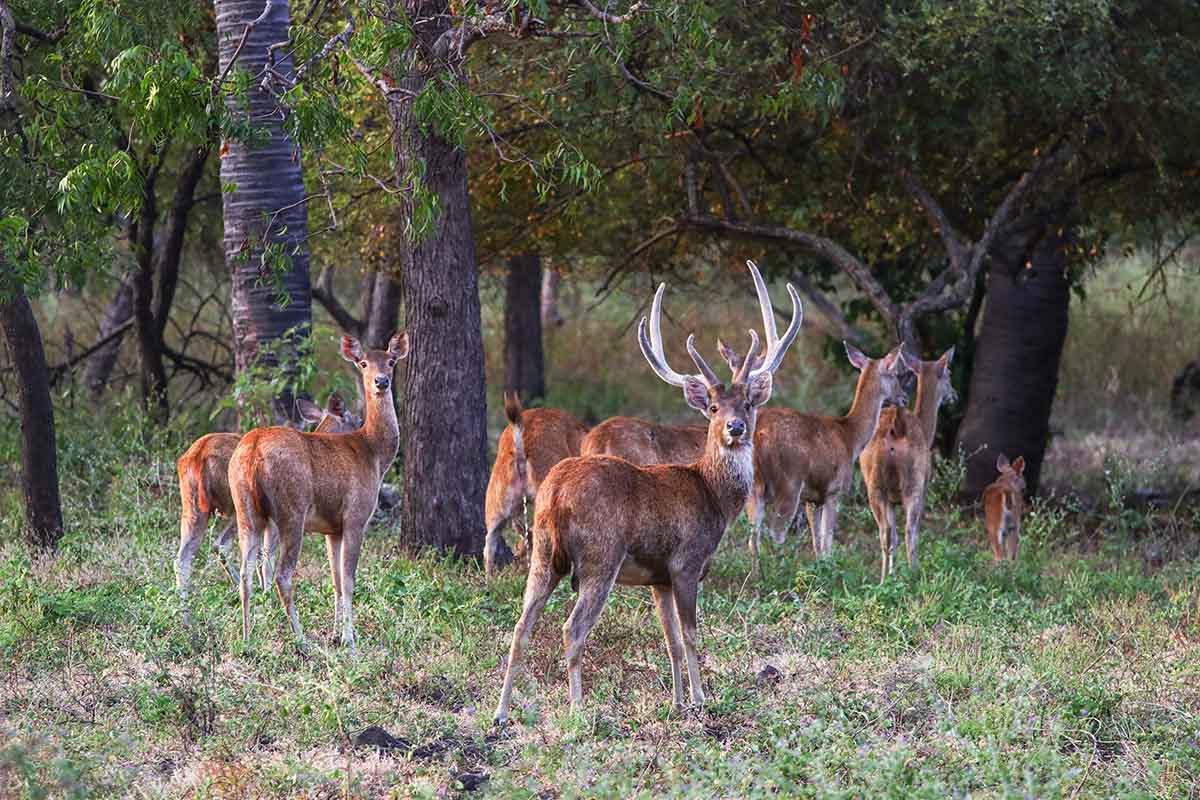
(735, 427)
(382, 382)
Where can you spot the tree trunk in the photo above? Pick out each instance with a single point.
(443, 420)
(101, 363)
(1015, 373)
(153, 373)
(524, 364)
(39, 460)
(267, 206)
(551, 316)
(381, 310)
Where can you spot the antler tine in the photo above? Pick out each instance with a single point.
(764, 305)
(777, 349)
(659, 366)
(706, 372)
(744, 369)
(650, 340)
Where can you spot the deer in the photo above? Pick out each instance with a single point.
(604, 521)
(530, 445)
(326, 483)
(204, 489)
(643, 443)
(1003, 505)
(898, 461)
(810, 458)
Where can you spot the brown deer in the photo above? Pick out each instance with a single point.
(1003, 505)
(606, 521)
(533, 441)
(643, 443)
(898, 461)
(810, 457)
(322, 482)
(204, 488)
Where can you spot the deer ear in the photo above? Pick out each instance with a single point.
(696, 394)
(856, 356)
(729, 355)
(759, 390)
(1018, 464)
(947, 357)
(398, 346)
(309, 411)
(351, 350)
(908, 362)
(336, 404)
(1001, 462)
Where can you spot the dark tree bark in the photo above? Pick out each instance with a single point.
(381, 309)
(101, 363)
(1017, 356)
(524, 364)
(39, 459)
(169, 255)
(443, 430)
(267, 207)
(153, 371)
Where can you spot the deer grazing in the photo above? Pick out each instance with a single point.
(1003, 505)
(204, 489)
(533, 441)
(643, 443)
(898, 461)
(605, 521)
(320, 482)
(810, 458)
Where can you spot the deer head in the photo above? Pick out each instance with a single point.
(375, 366)
(335, 407)
(731, 411)
(1014, 472)
(890, 368)
(939, 369)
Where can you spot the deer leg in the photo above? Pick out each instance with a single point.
(880, 508)
(538, 587)
(685, 592)
(290, 532)
(913, 512)
(829, 515)
(333, 551)
(249, 541)
(192, 524)
(813, 512)
(664, 601)
(270, 554)
(593, 594)
(353, 532)
(1013, 539)
(224, 546)
(754, 513)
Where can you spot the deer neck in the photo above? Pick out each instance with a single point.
(729, 472)
(926, 406)
(863, 417)
(382, 430)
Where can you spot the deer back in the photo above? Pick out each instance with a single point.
(643, 443)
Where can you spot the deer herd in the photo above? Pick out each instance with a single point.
(628, 501)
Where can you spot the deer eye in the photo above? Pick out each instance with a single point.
(712, 409)
(391, 363)
(748, 405)
(362, 364)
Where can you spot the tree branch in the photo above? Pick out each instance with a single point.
(842, 327)
(323, 293)
(610, 19)
(56, 372)
(956, 248)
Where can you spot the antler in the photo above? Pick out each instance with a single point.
(652, 348)
(776, 347)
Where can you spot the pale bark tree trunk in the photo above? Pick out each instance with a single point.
(524, 363)
(269, 190)
(1015, 374)
(551, 316)
(443, 418)
(39, 458)
(101, 363)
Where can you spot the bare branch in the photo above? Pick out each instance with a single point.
(956, 248)
(607, 18)
(323, 293)
(842, 327)
(57, 371)
(237, 51)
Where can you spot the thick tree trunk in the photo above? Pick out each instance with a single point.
(153, 373)
(39, 460)
(101, 363)
(524, 364)
(269, 192)
(443, 428)
(1017, 355)
(381, 309)
(551, 316)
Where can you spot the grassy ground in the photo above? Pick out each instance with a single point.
(1073, 673)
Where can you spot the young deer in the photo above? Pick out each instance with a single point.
(533, 441)
(643, 443)
(608, 521)
(1003, 505)
(204, 488)
(320, 482)
(810, 458)
(897, 462)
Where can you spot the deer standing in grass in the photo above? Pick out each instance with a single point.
(898, 461)
(1003, 505)
(320, 482)
(530, 445)
(204, 489)
(606, 521)
(809, 458)
(643, 443)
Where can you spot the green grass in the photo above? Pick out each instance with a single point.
(1067, 674)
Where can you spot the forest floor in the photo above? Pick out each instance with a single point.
(1074, 672)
